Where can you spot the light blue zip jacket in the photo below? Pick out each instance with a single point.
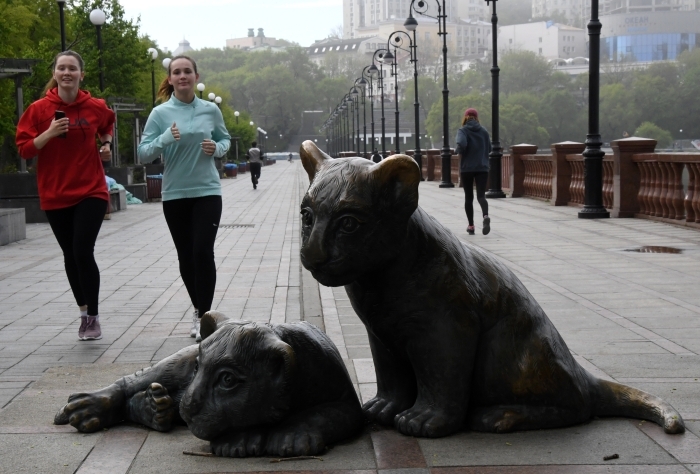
(189, 172)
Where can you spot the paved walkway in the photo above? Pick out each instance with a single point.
(630, 316)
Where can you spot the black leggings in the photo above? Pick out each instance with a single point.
(193, 223)
(76, 230)
(255, 172)
(468, 179)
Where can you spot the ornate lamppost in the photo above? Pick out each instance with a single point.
(236, 114)
(411, 25)
(496, 154)
(211, 96)
(98, 18)
(369, 78)
(166, 63)
(218, 101)
(354, 94)
(593, 155)
(421, 7)
(61, 18)
(153, 53)
(362, 82)
(380, 73)
(391, 59)
(200, 88)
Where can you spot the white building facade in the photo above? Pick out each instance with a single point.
(578, 12)
(362, 14)
(550, 40)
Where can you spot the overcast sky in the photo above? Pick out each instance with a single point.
(209, 23)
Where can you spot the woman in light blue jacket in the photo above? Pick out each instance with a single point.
(190, 133)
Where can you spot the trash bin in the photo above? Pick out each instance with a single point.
(153, 185)
(231, 170)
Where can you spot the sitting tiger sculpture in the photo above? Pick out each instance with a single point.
(250, 389)
(456, 338)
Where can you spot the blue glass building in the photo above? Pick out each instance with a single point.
(649, 36)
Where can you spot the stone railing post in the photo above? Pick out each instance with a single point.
(561, 171)
(626, 174)
(517, 169)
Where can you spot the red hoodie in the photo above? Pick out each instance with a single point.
(68, 169)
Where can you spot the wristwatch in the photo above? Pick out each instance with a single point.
(108, 143)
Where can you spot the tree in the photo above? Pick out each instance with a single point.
(433, 124)
(524, 71)
(650, 130)
(616, 115)
(519, 125)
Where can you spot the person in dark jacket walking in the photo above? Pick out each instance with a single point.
(474, 146)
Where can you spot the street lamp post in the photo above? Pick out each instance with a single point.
(411, 25)
(98, 18)
(218, 100)
(166, 63)
(496, 154)
(391, 59)
(593, 155)
(61, 18)
(380, 73)
(200, 88)
(421, 8)
(211, 96)
(354, 93)
(153, 53)
(362, 82)
(236, 114)
(367, 71)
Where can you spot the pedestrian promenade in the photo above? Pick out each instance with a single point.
(627, 315)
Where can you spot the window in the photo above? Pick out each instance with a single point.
(323, 50)
(353, 46)
(316, 50)
(338, 48)
(510, 41)
(346, 47)
(540, 50)
(540, 39)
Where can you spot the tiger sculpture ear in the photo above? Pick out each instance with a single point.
(312, 158)
(398, 176)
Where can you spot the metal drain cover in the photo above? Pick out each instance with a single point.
(654, 249)
(235, 226)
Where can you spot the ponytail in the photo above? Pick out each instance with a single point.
(52, 82)
(469, 118)
(165, 90)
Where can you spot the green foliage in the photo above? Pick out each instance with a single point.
(649, 130)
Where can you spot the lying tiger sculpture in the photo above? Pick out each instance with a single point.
(250, 389)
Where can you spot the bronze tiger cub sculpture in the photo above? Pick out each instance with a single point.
(250, 389)
(456, 338)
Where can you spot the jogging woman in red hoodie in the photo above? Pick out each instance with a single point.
(72, 188)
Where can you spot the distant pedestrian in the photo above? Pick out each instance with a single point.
(255, 157)
(474, 146)
(290, 157)
(60, 130)
(190, 133)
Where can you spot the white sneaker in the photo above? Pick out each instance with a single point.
(194, 332)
